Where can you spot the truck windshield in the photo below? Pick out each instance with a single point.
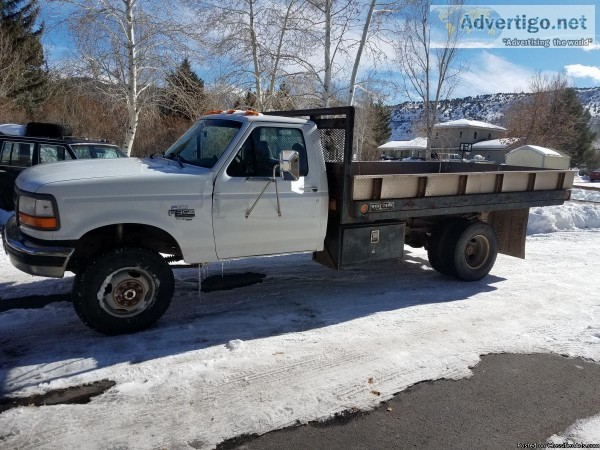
(204, 143)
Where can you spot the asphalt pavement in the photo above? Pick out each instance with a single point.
(509, 400)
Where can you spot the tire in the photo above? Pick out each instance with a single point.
(123, 290)
(438, 257)
(470, 250)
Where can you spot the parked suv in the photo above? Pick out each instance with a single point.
(595, 175)
(22, 146)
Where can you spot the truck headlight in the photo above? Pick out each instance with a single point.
(38, 212)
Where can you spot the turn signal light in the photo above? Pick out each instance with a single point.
(48, 223)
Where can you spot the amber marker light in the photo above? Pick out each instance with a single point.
(45, 223)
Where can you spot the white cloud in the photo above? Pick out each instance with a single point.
(592, 47)
(489, 74)
(581, 71)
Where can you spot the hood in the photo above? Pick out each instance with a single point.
(118, 169)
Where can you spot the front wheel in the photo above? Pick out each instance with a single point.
(123, 290)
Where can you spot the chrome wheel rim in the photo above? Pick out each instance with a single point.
(127, 292)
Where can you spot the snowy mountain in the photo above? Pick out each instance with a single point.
(488, 108)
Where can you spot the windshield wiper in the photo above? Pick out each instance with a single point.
(178, 158)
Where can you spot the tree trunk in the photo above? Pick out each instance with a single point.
(132, 75)
(361, 46)
(327, 78)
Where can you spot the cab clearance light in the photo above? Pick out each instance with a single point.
(246, 112)
(48, 223)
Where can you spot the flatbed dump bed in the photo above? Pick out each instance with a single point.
(420, 203)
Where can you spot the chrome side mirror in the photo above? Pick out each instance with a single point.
(289, 165)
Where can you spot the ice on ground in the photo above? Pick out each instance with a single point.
(234, 344)
(585, 431)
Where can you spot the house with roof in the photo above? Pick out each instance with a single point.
(461, 137)
(403, 149)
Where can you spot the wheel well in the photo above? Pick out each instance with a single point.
(110, 236)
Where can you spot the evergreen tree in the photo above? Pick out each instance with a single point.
(582, 150)
(184, 94)
(249, 101)
(18, 22)
(381, 124)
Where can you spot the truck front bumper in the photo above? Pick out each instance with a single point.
(33, 257)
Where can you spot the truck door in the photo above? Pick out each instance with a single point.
(239, 232)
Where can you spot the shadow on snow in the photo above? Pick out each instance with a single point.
(296, 295)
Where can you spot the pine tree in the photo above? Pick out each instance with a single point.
(18, 22)
(381, 125)
(582, 150)
(184, 94)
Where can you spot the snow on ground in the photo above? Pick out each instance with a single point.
(585, 431)
(300, 346)
(586, 195)
(570, 216)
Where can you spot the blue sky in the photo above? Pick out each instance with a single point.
(505, 69)
(490, 69)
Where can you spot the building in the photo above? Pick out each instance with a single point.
(494, 150)
(452, 138)
(460, 135)
(403, 149)
(536, 156)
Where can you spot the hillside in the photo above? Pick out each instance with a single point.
(489, 108)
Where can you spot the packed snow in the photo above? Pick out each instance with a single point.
(300, 346)
(586, 195)
(585, 431)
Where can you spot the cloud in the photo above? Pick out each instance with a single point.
(489, 74)
(591, 47)
(581, 71)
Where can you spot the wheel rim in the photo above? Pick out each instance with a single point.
(127, 292)
(477, 251)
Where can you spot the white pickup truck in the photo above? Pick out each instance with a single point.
(241, 184)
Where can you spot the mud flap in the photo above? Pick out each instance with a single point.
(511, 228)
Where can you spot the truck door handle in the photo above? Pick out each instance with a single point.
(310, 188)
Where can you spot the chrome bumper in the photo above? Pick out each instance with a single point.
(34, 258)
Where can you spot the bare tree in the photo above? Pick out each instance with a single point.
(553, 116)
(124, 44)
(254, 40)
(429, 67)
(10, 67)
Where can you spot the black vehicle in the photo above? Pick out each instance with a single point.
(22, 146)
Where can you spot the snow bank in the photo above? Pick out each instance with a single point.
(570, 216)
(4, 215)
(584, 431)
(585, 195)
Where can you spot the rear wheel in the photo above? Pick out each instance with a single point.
(436, 247)
(123, 290)
(471, 251)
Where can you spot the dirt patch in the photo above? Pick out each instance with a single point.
(73, 395)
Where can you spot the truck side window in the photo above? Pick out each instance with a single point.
(18, 154)
(53, 153)
(260, 152)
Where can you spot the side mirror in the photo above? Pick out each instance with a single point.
(289, 165)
